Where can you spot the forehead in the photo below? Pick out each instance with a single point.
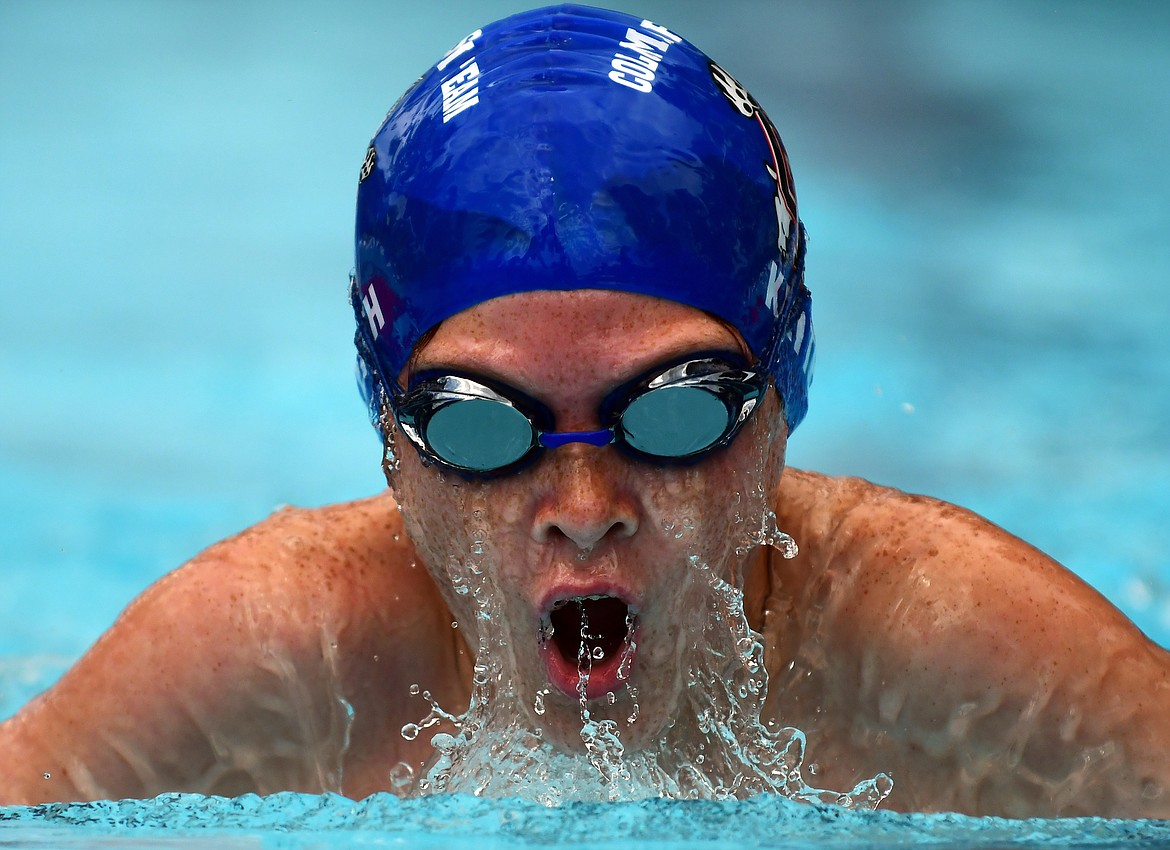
(541, 336)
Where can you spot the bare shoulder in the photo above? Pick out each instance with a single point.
(337, 563)
(993, 676)
(254, 667)
(942, 566)
(310, 580)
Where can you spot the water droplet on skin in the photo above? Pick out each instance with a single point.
(414, 689)
(401, 776)
(46, 775)
(495, 751)
(410, 731)
(390, 462)
(454, 624)
(787, 546)
(627, 662)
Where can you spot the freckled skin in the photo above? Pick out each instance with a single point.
(908, 636)
(978, 672)
(580, 498)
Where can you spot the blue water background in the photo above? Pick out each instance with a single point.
(300, 822)
(985, 184)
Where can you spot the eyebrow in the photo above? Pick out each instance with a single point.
(428, 372)
(735, 345)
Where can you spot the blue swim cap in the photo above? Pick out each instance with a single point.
(576, 148)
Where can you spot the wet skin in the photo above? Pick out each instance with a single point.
(908, 636)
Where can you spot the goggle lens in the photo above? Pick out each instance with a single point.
(478, 434)
(473, 425)
(675, 422)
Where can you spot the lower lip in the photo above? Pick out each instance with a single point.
(603, 676)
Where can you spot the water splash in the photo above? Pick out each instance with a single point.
(714, 741)
(718, 749)
(768, 533)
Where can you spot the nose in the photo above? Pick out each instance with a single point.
(585, 500)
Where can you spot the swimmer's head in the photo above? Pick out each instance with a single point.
(575, 148)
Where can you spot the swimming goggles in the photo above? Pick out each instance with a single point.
(673, 414)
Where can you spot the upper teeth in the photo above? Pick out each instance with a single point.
(595, 597)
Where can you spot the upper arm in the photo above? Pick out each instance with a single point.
(238, 672)
(996, 673)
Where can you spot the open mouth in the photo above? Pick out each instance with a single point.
(591, 638)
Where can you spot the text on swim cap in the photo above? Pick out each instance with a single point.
(461, 91)
(735, 93)
(459, 49)
(637, 71)
(373, 311)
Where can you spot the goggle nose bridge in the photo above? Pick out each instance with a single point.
(556, 439)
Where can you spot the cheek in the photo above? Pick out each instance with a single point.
(461, 529)
(715, 510)
(432, 508)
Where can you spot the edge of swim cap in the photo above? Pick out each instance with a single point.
(519, 163)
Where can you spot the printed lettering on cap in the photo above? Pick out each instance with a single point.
(461, 90)
(639, 54)
(369, 163)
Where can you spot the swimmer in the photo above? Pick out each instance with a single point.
(584, 339)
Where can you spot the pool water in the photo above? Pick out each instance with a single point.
(987, 195)
(289, 821)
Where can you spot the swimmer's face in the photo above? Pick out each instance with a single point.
(587, 529)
